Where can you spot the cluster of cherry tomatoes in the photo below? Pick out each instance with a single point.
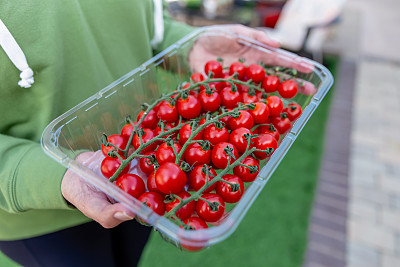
(199, 144)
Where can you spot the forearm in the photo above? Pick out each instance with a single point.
(29, 179)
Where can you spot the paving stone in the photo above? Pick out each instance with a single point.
(397, 244)
(326, 231)
(389, 184)
(335, 190)
(361, 211)
(334, 217)
(362, 255)
(369, 195)
(390, 260)
(372, 235)
(362, 177)
(391, 219)
(394, 202)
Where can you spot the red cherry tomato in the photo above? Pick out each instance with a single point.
(225, 84)
(261, 95)
(118, 141)
(239, 68)
(255, 72)
(237, 139)
(167, 126)
(170, 179)
(132, 184)
(165, 153)
(226, 191)
(195, 223)
(249, 97)
(150, 121)
(167, 112)
(270, 83)
(230, 98)
(210, 213)
(147, 136)
(275, 105)
(281, 123)
(146, 165)
(214, 134)
(214, 67)
(293, 111)
(126, 131)
(264, 142)
(197, 178)
(151, 183)
(260, 113)
(196, 78)
(244, 173)
(288, 89)
(184, 212)
(196, 155)
(268, 129)
(110, 165)
(154, 201)
(209, 102)
(217, 86)
(219, 156)
(225, 119)
(244, 120)
(186, 131)
(189, 107)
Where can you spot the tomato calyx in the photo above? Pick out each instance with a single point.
(185, 166)
(171, 198)
(184, 95)
(219, 125)
(209, 90)
(205, 144)
(144, 106)
(252, 168)
(252, 92)
(214, 206)
(251, 106)
(140, 132)
(113, 153)
(229, 151)
(234, 187)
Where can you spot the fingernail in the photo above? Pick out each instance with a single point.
(122, 216)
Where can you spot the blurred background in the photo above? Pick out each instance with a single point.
(335, 198)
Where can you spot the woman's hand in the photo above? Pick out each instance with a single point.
(92, 202)
(231, 49)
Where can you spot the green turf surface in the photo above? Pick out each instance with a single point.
(274, 231)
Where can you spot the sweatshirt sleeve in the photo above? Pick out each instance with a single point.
(173, 30)
(29, 179)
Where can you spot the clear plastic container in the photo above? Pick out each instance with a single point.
(81, 128)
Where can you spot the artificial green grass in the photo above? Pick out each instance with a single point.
(274, 231)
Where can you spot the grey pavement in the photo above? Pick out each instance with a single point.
(369, 35)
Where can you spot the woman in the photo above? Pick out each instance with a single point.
(55, 54)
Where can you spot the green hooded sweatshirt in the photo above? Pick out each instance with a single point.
(75, 48)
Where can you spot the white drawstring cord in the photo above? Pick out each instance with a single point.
(158, 24)
(14, 52)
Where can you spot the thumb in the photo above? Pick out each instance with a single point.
(102, 211)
